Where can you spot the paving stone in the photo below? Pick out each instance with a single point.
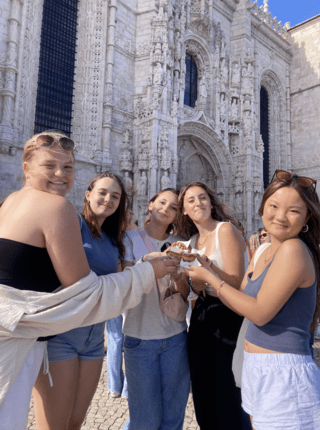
(111, 414)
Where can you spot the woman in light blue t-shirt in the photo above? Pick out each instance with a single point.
(76, 356)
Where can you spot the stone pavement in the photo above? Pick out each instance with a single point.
(106, 413)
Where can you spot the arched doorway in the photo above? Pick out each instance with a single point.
(203, 156)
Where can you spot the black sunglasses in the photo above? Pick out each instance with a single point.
(263, 235)
(46, 140)
(303, 181)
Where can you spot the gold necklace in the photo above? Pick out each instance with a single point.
(202, 243)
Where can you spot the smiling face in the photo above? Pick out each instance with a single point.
(197, 204)
(164, 208)
(285, 214)
(264, 236)
(50, 170)
(104, 198)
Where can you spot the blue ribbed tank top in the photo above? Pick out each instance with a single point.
(288, 331)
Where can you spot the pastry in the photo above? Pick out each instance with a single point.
(186, 256)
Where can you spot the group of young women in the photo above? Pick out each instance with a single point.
(279, 294)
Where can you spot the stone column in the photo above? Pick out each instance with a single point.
(10, 70)
(288, 119)
(108, 103)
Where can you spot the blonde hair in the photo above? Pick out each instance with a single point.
(31, 146)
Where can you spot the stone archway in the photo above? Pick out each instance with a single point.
(203, 156)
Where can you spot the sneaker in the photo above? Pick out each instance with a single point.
(114, 394)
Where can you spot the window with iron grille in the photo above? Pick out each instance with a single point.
(190, 93)
(56, 66)
(264, 131)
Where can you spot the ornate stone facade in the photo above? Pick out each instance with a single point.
(129, 113)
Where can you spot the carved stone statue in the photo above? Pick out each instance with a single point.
(128, 183)
(234, 108)
(142, 184)
(165, 181)
(203, 90)
(224, 71)
(235, 79)
(175, 106)
(223, 104)
(157, 49)
(158, 74)
(238, 203)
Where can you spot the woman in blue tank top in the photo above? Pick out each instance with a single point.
(76, 356)
(280, 381)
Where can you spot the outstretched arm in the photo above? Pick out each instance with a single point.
(291, 268)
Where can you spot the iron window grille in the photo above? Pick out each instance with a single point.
(56, 66)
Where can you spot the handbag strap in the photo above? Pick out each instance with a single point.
(146, 239)
(150, 247)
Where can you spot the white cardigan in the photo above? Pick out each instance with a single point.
(27, 315)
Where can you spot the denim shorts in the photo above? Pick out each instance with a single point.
(281, 391)
(84, 343)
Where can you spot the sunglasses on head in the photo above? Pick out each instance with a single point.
(303, 181)
(46, 141)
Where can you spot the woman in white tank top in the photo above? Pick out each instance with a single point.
(214, 328)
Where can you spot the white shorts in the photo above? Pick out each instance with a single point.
(15, 406)
(281, 391)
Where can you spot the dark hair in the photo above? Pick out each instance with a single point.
(114, 225)
(219, 211)
(154, 198)
(312, 237)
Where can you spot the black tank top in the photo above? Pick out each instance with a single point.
(27, 267)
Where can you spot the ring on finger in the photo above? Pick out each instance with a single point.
(211, 264)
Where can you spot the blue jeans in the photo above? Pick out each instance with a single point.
(158, 382)
(116, 381)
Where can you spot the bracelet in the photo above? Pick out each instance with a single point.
(142, 259)
(218, 290)
(211, 264)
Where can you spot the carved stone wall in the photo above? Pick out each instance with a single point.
(129, 113)
(305, 97)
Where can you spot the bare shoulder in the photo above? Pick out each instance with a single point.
(228, 231)
(293, 249)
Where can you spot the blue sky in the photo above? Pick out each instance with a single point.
(293, 11)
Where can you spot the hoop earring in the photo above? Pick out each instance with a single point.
(305, 229)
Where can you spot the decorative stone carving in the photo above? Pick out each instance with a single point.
(238, 203)
(234, 108)
(165, 181)
(203, 92)
(166, 157)
(158, 74)
(175, 106)
(235, 77)
(260, 145)
(142, 185)
(128, 184)
(256, 203)
(126, 157)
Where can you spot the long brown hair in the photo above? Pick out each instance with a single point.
(114, 225)
(312, 237)
(219, 211)
(154, 198)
